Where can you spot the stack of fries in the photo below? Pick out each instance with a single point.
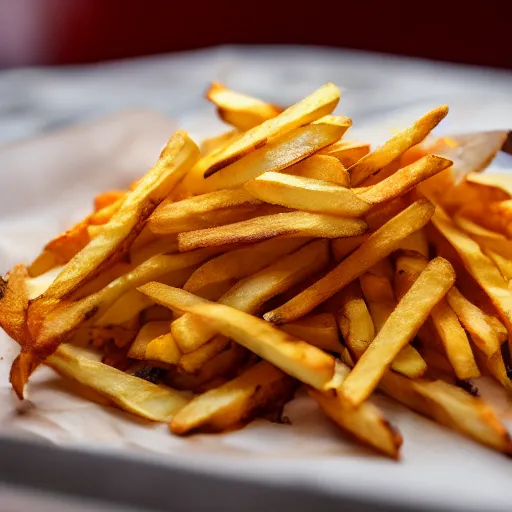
(277, 256)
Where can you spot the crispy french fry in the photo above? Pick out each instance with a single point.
(486, 332)
(204, 211)
(379, 245)
(307, 194)
(236, 402)
(217, 276)
(14, 303)
(163, 245)
(219, 142)
(449, 406)
(197, 358)
(126, 307)
(240, 110)
(293, 356)
(275, 156)
(320, 330)
(313, 107)
(292, 224)
(366, 423)
(147, 333)
(321, 167)
(347, 153)
(178, 155)
(416, 244)
(396, 146)
(142, 398)
(382, 213)
(401, 326)
(251, 293)
(378, 292)
(403, 180)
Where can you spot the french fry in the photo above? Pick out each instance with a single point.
(320, 330)
(234, 403)
(379, 245)
(480, 266)
(449, 406)
(163, 245)
(321, 167)
(240, 110)
(197, 358)
(204, 211)
(147, 333)
(487, 333)
(215, 277)
(366, 423)
(251, 293)
(401, 326)
(219, 142)
(292, 224)
(14, 303)
(176, 158)
(403, 180)
(126, 307)
(307, 194)
(293, 356)
(137, 396)
(277, 155)
(382, 213)
(378, 292)
(36, 286)
(416, 244)
(501, 181)
(313, 107)
(396, 146)
(347, 153)
(445, 321)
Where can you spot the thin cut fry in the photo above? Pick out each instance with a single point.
(342, 247)
(396, 146)
(142, 398)
(293, 356)
(401, 326)
(240, 110)
(293, 224)
(277, 155)
(347, 153)
(403, 180)
(313, 107)
(234, 403)
(307, 194)
(217, 276)
(379, 245)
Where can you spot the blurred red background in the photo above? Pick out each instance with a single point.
(78, 31)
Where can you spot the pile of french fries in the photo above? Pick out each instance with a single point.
(280, 255)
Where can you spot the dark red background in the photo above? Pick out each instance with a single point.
(458, 31)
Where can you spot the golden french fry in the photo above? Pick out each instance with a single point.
(366, 423)
(449, 406)
(401, 326)
(292, 224)
(163, 245)
(487, 334)
(347, 153)
(126, 307)
(215, 277)
(204, 211)
(396, 146)
(504, 265)
(293, 356)
(176, 158)
(14, 297)
(277, 155)
(382, 213)
(147, 333)
(415, 243)
(307, 194)
(36, 286)
(251, 293)
(403, 180)
(240, 110)
(321, 167)
(236, 402)
(480, 266)
(219, 142)
(142, 398)
(379, 245)
(320, 330)
(313, 107)
(380, 298)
